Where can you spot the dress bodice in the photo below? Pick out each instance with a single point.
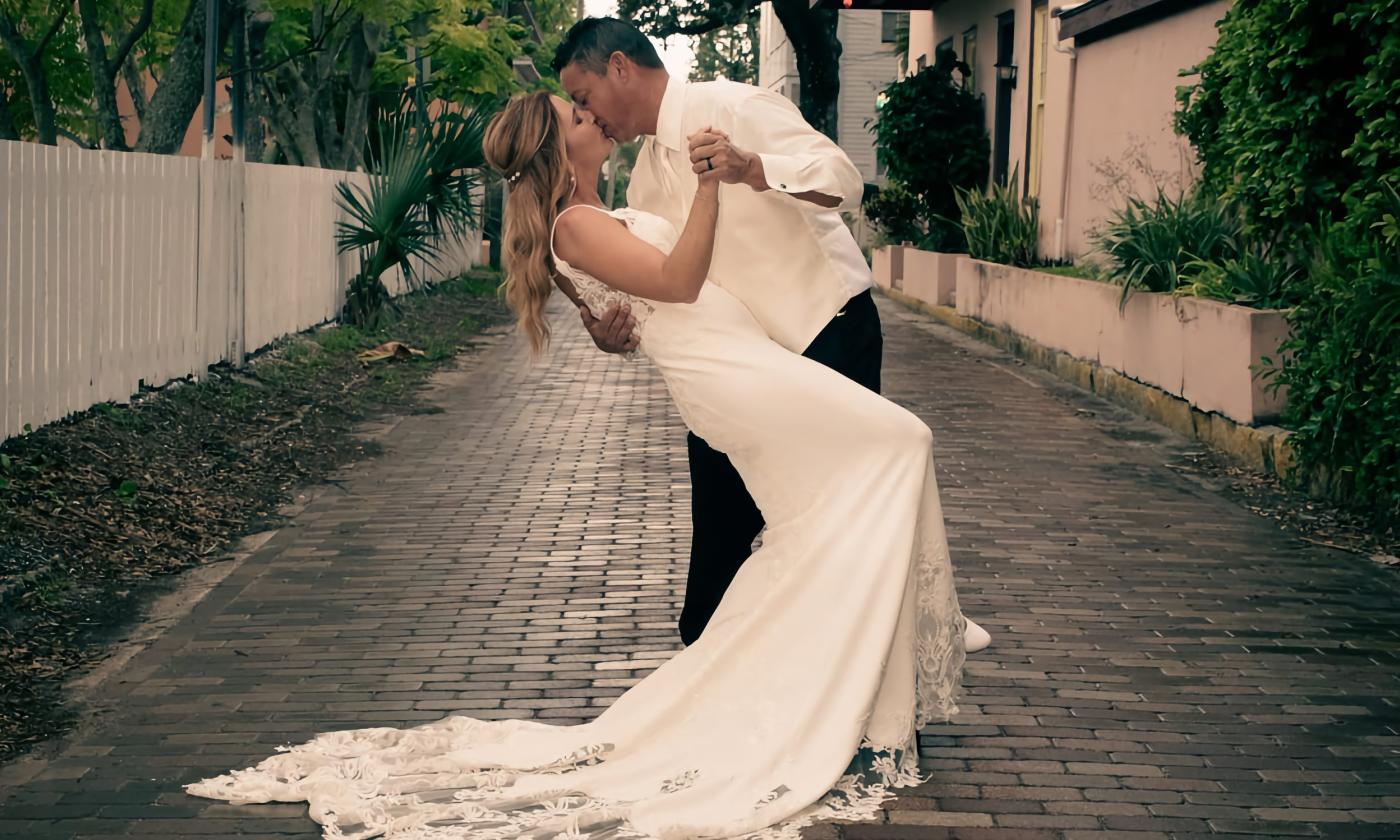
(596, 294)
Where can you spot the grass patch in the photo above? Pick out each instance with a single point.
(1082, 272)
(96, 510)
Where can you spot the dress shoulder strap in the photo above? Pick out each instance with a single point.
(556, 225)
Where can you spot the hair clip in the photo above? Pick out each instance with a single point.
(511, 179)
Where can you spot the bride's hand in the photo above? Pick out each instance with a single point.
(711, 156)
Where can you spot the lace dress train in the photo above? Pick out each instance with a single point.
(837, 640)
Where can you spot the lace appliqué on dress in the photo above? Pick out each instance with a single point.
(598, 296)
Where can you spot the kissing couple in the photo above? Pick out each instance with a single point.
(810, 663)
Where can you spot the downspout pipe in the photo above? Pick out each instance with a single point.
(1060, 236)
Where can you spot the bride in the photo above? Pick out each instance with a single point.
(838, 639)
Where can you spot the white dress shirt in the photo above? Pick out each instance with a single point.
(793, 263)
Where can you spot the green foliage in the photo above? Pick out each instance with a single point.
(896, 212)
(1294, 115)
(1149, 243)
(930, 134)
(1253, 276)
(1000, 225)
(730, 52)
(64, 66)
(626, 160)
(1082, 272)
(420, 191)
(1342, 370)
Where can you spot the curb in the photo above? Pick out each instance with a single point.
(1265, 449)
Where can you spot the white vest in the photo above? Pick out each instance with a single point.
(793, 263)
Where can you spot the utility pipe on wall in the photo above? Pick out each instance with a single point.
(1060, 244)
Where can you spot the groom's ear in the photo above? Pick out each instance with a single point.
(620, 64)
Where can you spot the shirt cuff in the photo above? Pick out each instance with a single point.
(781, 173)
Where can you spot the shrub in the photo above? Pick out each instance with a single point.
(1342, 370)
(1293, 116)
(423, 172)
(930, 134)
(896, 212)
(1000, 225)
(1254, 276)
(1149, 244)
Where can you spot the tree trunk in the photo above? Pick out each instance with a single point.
(41, 102)
(364, 49)
(104, 89)
(812, 33)
(105, 69)
(299, 105)
(319, 100)
(136, 86)
(277, 122)
(173, 104)
(7, 120)
(256, 145)
(30, 59)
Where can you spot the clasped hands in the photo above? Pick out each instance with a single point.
(712, 157)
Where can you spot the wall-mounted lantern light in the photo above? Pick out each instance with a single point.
(1006, 73)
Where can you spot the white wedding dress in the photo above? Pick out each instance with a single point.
(802, 699)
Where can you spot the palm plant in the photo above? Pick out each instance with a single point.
(422, 174)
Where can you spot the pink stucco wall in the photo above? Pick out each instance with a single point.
(1200, 350)
(1125, 96)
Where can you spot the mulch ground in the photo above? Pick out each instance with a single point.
(98, 511)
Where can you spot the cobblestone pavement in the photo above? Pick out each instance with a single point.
(1165, 664)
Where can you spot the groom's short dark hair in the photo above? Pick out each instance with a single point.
(592, 41)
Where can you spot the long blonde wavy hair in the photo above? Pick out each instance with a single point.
(525, 143)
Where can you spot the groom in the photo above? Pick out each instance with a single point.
(781, 247)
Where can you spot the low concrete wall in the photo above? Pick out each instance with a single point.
(887, 265)
(1200, 350)
(1266, 449)
(931, 276)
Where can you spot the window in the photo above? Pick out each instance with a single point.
(946, 46)
(890, 24)
(1040, 19)
(969, 56)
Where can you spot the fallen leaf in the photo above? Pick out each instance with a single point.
(389, 350)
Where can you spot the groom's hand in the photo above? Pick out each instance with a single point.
(613, 333)
(732, 165)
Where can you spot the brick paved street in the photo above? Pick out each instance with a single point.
(1165, 664)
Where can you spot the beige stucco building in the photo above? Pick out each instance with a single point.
(869, 63)
(1079, 96)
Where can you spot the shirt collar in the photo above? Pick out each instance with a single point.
(668, 118)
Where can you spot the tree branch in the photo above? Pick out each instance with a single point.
(317, 44)
(142, 24)
(61, 10)
(7, 120)
(135, 85)
(86, 144)
(667, 21)
(13, 40)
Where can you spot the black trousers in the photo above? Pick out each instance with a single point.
(724, 518)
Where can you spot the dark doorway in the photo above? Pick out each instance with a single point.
(1001, 130)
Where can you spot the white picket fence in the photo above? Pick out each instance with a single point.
(119, 270)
